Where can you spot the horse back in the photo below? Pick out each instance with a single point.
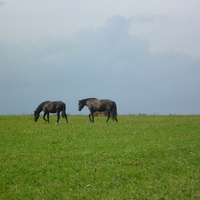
(53, 106)
(101, 104)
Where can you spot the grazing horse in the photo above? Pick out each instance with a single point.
(50, 107)
(99, 105)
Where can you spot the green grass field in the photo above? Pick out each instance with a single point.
(141, 157)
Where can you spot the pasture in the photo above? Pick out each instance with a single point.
(140, 157)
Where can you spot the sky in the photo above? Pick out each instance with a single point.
(144, 55)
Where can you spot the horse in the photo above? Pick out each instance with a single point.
(50, 107)
(100, 105)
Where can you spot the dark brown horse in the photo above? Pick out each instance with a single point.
(99, 105)
(50, 107)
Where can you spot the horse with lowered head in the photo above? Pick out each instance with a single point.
(100, 105)
(50, 107)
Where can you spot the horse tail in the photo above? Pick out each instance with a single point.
(63, 111)
(114, 111)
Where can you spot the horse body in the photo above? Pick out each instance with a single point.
(51, 107)
(100, 105)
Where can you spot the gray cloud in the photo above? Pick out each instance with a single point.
(2, 3)
(103, 63)
(149, 18)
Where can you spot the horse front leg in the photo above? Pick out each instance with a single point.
(91, 117)
(48, 117)
(45, 116)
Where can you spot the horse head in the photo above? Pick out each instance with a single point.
(36, 116)
(80, 105)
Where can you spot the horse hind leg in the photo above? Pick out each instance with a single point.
(58, 117)
(66, 118)
(114, 115)
(108, 116)
(64, 115)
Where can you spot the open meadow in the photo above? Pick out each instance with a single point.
(140, 157)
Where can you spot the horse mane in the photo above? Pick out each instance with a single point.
(85, 100)
(39, 108)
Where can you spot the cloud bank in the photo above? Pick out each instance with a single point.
(108, 62)
(2, 3)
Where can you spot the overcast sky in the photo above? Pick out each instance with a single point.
(145, 55)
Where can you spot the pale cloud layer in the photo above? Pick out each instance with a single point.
(143, 55)
(167, 24)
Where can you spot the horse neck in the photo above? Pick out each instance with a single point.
(84, 101)
(40, 107)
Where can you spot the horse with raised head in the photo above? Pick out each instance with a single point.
(100, 105)
(50, 107)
